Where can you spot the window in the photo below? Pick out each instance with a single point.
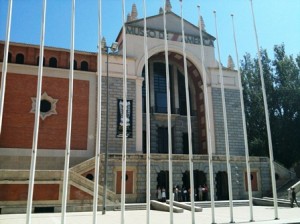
(182, 94)
(160, 88)
(185, 143)
(75, 65)
(9, 58)
(53, 62)
(20, 59)
(84, 66)
(162, 140)
(38, 61)
(45, 106)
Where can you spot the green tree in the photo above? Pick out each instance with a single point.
(282, 83)
(286, 108)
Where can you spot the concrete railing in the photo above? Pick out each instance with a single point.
(296, 186)
(23, 175)
(283, 171)
(84, 166)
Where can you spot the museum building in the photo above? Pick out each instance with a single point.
(19, 108)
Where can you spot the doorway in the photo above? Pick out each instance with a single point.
(222, 186)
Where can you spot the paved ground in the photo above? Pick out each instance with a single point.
(222, 215)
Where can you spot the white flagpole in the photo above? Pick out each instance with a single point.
(69, 122)
(187, 96)
(267, 119)
(37, 117)
(244, 125)
(208, 128)
(124, 148)
(99, 115)
(148, 172)
(225, 125)
(5, 60)
(169, 117)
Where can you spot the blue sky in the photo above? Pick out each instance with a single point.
(277, 21)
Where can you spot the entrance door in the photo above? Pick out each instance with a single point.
(163, 181)
(222, 186)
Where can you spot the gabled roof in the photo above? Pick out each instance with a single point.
(173, 25)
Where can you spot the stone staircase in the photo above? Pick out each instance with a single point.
(87, 185)
(202, 204)
(282, 192)
(76, 179)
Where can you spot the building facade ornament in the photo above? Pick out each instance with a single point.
(47, 107)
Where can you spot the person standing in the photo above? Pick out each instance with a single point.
(200, 193)
(293, 198)
(176, 198)
(159, 194)
(163, 195)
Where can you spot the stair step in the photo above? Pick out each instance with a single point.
(202, 204)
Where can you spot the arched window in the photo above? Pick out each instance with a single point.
(38, 61)
(53, 62)
(9, 58)
(75, 65)
(20, 59)
(84, 66)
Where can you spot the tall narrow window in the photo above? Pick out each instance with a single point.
(162, 140)
(9, 58)
(181, 92)
(75, 65)
(53, 62)
(84, 66)
(160, 88)
(185, 143)
(20, 59)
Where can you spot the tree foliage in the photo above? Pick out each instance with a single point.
(282, 84)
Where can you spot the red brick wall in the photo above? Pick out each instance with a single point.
(31, 54)
(19, 192)
(18, 122)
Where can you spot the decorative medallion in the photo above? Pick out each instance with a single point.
(47, 106)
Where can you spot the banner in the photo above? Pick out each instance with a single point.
(121, 119)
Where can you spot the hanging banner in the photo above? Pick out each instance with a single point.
(121, 119)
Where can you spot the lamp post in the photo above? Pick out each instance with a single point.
(108, 50)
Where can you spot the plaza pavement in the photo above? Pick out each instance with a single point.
(261, 214)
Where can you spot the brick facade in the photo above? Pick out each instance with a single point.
(18, 122)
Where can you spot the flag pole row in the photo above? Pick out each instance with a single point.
(124, 142)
